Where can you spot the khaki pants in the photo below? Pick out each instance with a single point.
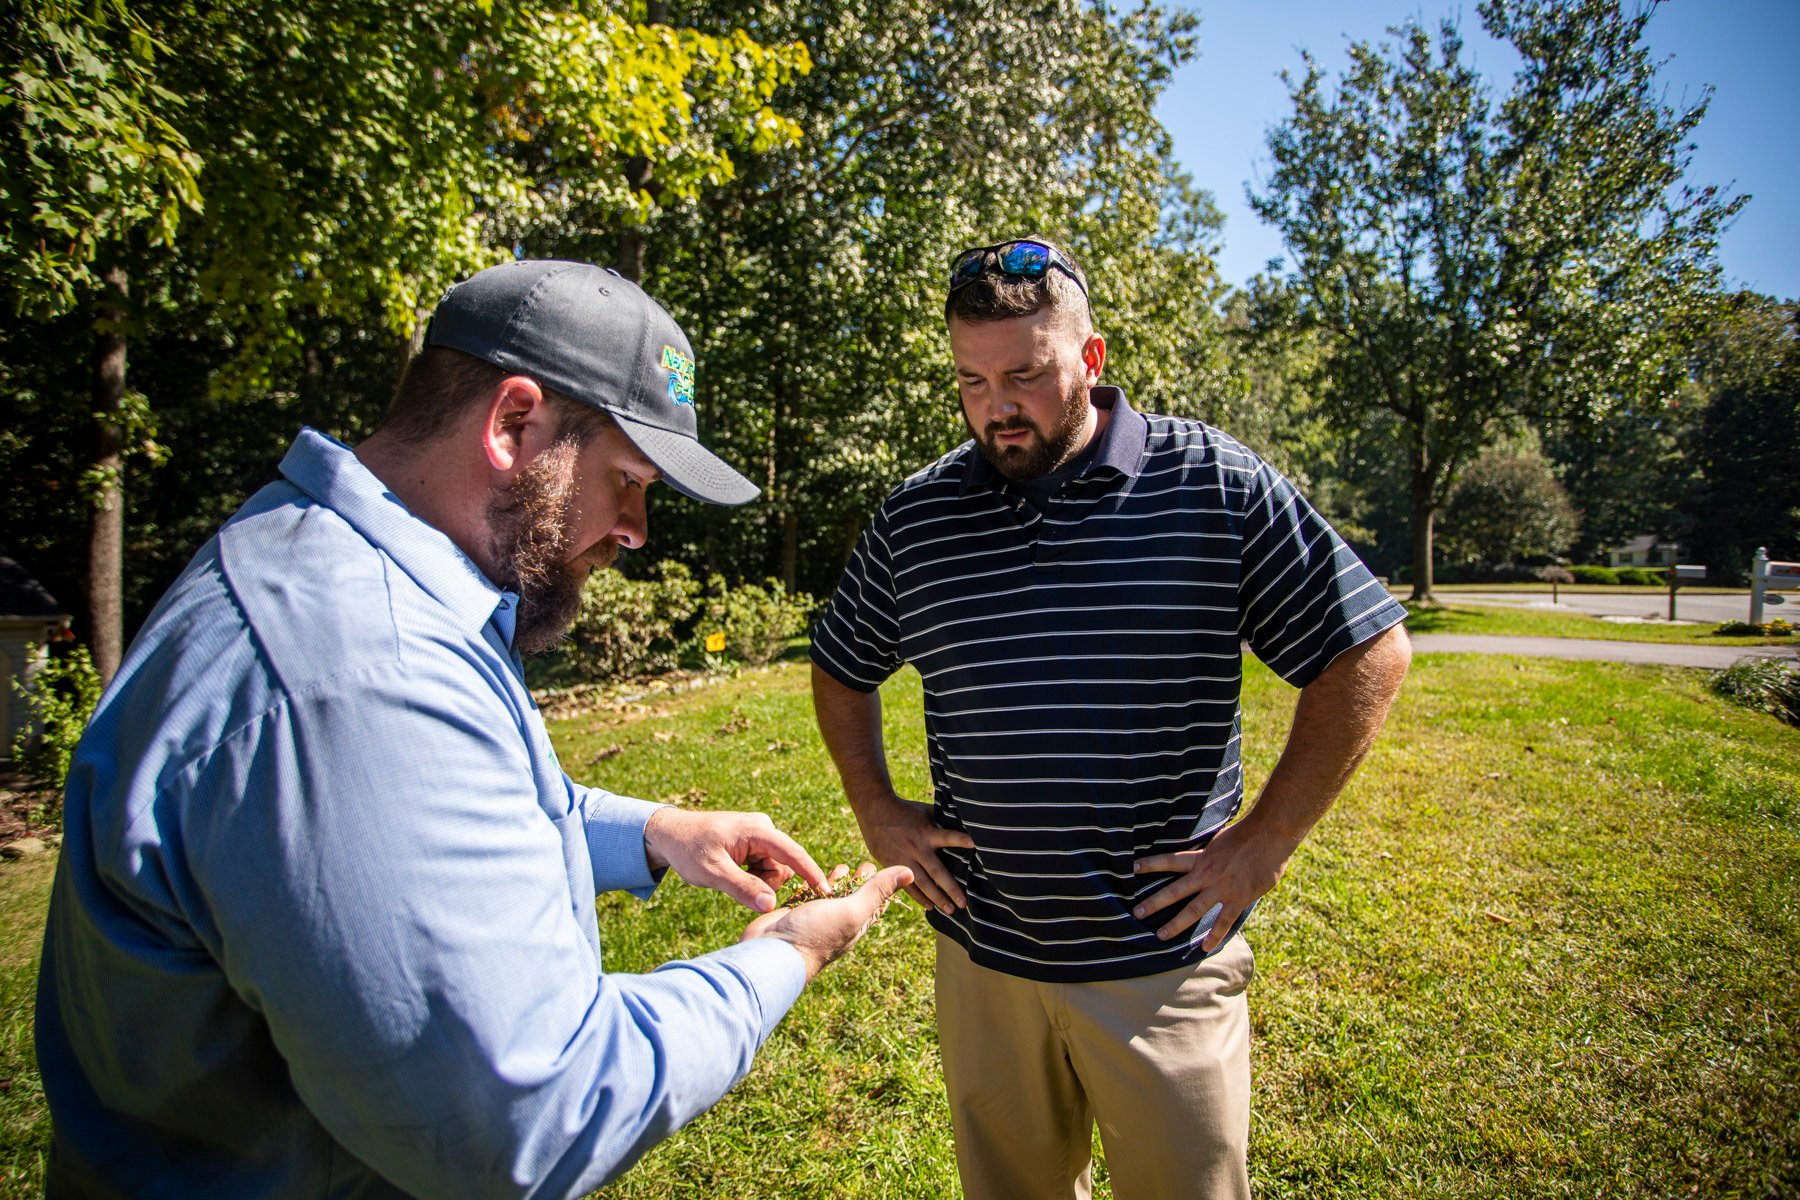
(1162, 1062)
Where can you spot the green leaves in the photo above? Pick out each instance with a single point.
(91, 153)
(1482, 263)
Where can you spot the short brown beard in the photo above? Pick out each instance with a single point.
(528, 547)
(1046, 453)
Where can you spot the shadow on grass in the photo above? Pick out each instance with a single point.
(1436, 619)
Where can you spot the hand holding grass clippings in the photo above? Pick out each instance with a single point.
(741, 854)
(823, 929)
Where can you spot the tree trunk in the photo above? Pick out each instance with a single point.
(790, 548)
(1423, 512)
(630, 262)
(106, 517)
(1423, 515)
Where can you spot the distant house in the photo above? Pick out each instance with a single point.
(29, 617)
(1643, 550)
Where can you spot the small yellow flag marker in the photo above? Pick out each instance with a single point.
(715, 642)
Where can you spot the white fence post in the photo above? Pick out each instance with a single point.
(1759, 569)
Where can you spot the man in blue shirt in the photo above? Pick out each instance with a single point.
(324, 921)
(1073, 585)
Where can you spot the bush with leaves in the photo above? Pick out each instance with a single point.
(1775, 628)
(748, 624)
(60, 698)
(1766, 685)
(629, 627)
(1606, 575)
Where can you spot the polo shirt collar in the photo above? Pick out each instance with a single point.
(1121, 448)
(329, 472)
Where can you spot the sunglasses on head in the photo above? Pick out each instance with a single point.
(1022, 259)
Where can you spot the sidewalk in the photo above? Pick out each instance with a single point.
(1656, 653)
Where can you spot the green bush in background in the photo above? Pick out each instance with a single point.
(629, 626)
(1594, 574)
(753, 623)
(635, 627)
(1644, 576)
(60, 697)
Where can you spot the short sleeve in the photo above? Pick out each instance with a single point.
(857, 641)
(1304, 597)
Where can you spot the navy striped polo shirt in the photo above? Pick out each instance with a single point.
(1081, 669)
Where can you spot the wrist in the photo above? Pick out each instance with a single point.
(654, 829)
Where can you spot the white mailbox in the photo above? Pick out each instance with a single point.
(1765, 577)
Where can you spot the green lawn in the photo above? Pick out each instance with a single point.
(1511, 621)
(1545, 945)
(1591, 589)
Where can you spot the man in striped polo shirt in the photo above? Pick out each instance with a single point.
(1073, 585)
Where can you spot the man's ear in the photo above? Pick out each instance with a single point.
(518, 425)
(1093, 358)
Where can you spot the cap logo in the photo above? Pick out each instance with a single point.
(681, 375)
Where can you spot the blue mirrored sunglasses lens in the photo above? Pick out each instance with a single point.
(967, 268)
(1028, 260)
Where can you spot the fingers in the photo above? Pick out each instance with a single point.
(1175, 863)
(747, 888)
(881, 886)
(1191, 914)
(934, 885)
(941, 837)
(778, 848)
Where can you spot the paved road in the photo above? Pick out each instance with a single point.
(1705, 609)
(1714, 657)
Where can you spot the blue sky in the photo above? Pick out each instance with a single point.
(1221, 104)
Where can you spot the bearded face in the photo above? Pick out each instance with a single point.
(1041, 450)
(530, 547)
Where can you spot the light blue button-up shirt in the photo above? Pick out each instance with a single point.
(324, 920)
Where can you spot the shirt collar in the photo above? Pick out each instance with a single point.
(329, 472)
(1121, 448)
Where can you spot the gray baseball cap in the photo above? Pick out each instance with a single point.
(596, 337)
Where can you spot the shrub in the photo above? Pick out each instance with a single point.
(1594, 575)
(1766, 685)
(61, 697)
(1776, 628)
(753, 623)
(630, 627)
(1644, 576)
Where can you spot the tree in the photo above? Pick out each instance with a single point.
(1741, 438)
(812, 283)
(1484, 265)
(1508, 507)
(260, 168)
